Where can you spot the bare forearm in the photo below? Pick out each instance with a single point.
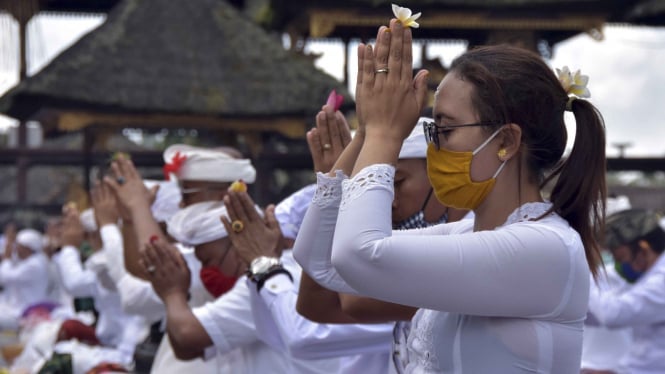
(368, 310)
(377, 149)
(349, 156)
(144, 227)
(186, 334)
(319, 304)
(131, 253)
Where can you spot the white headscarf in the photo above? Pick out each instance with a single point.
(291, 211)
(31, 239)
(167, 201)
(200, 223)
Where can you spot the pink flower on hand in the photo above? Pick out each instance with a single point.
(334, 100)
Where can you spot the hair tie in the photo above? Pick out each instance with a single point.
(575, 85)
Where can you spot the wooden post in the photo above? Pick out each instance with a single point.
(22, 161)
(345, 41)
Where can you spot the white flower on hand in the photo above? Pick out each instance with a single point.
(574, 84)
(404, 16)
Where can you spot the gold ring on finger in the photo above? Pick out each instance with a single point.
(237, 226)
(382, 70)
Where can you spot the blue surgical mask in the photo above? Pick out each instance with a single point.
(626, 272)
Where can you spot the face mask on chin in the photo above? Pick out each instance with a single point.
(215, 281)
(417, 220)
(449, 173)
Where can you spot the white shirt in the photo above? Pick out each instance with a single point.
(515, 296)
(230, 324)
(602, 347)
(364, 348)
(114, 327)
(25, 281)
(642, 307)
(139, 298)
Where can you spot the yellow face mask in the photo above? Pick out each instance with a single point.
(449, 172)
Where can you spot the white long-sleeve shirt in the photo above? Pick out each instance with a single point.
(640, 306)
(517, 295)
(364, 348)
(114, 327)
(230, 324)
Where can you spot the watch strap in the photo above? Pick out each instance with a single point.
(261, 279)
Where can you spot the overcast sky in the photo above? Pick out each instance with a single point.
(627, 80)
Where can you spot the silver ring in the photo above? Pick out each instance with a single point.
(382, 70)
(120, 180)
(151, 269)
(327, 146)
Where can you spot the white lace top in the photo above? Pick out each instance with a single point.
(510, 300)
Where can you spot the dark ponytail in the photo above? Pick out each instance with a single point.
(580, 192)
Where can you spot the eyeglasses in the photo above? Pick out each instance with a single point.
(432, 130)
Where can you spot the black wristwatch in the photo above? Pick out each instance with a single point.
(263, 268)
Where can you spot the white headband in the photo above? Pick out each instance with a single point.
(415, 146)
(200, 164)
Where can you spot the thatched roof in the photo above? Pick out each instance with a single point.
(177, 57)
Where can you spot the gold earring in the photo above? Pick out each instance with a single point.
(502, 153)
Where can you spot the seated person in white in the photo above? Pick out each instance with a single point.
(23, 275)
(226, 324)
(637, 240)
(190, 181)
(116, 332)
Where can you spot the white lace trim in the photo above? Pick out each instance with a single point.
(377, 175)
(423, 341)
(528, 212)
(328, 189)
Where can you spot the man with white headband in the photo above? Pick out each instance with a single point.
(225, 325)
(205, 174)
(221, 167)
(202, 174)
(23, 275)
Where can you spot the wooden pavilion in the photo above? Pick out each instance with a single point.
(175, 64)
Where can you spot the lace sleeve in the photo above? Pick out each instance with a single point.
(380, 176)
(328, 189)
(313, 245)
